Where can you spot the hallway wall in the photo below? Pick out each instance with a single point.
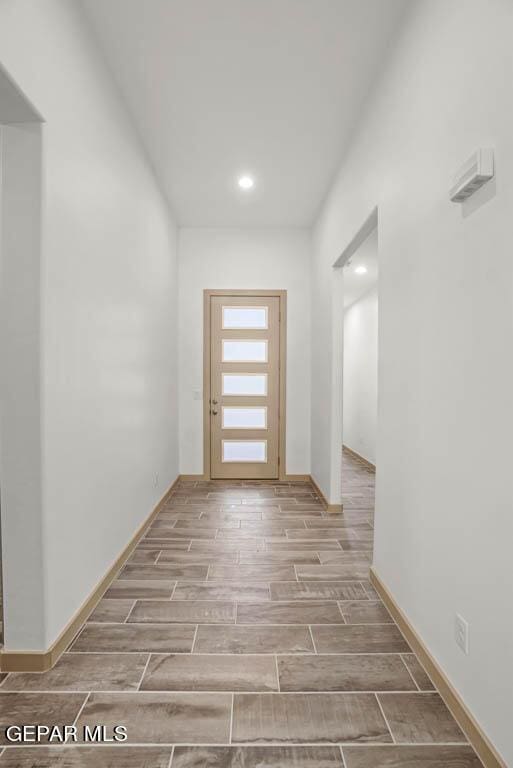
(235, 258)
(360, 401)
(108, 318)
(444, 492)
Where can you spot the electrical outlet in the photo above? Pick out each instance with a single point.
(461, 632)
(156, 479)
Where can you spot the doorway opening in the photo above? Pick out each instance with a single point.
(244, 384)
(360, 374)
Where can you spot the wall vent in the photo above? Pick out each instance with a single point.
(478, 169)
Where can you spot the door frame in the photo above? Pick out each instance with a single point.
(282, 368)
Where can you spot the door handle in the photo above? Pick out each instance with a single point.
(214, 413)
(214, 402)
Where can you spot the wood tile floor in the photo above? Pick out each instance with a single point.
(243, 633)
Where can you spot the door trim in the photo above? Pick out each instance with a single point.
(282, 367)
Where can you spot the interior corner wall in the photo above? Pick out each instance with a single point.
(444, 522)
(108, 313)
(360, 400)
(246, 259)
(20, 384)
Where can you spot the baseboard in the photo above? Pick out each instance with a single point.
(42, 661)
(327, 506)
(285, 478)
(482, 745)
(361, 458)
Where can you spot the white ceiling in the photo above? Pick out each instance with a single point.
(222, 87)
(355, 285)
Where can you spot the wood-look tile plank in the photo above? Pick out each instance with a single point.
(319, 612)
(161, 532)
(144, 556)
(292, 514)
(370, 591)
(352, 545)
(241, 534)
(162, 717)
(418, 672)
(370, 638)
(181, 545)
(111, 610)
(164, 571)
(411, 757)
(319, 534)
(84, 672)
(206, 524)
(332, 557)
(270, 527)
(136, 588)
(228, 545)
(311, 718)
(147, 638)
(86, 757)
(370, 672)
(256, 757)
(318, 590)
(252, 573)
(179, 514)
(210, 673)
(253, 639)
(420, 718)
(183, 612)
(279, 558)
(226, 591)
(365, 612)
(198, 558)
(41, 708)
(339, 522)
(350, 572)
(241, 516)
(303, 546)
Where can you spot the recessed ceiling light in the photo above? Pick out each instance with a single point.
(246, 182)
(361, 270)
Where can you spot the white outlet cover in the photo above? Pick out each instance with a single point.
(461, 631)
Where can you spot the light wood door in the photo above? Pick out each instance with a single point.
(244, 386)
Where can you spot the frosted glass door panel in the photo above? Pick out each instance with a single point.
(245, 450)
(245, 317)
(245, 384)
(244, 418)
(243, 403)
(244, 351)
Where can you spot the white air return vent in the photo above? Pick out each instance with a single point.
(478, 169)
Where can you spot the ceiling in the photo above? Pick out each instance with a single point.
(218, 88)
(355, 285)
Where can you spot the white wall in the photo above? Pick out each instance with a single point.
(360, 401)
(233, 258)
(444, 522)
(108, 309)
(20, 380)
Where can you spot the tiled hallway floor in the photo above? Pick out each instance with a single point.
(244, 631)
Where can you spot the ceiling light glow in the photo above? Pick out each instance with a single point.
(361, 270)
(246, 182)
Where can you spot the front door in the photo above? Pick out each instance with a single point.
(244, 386)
